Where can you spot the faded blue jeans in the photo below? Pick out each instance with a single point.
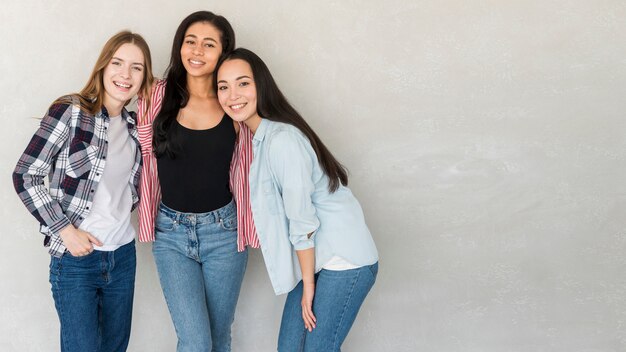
(201, 273)
(93, 295)
(338, 298)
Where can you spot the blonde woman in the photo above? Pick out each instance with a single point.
(87, 145)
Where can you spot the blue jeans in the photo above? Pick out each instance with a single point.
(93, 296)
(201, 274)
(338, 298)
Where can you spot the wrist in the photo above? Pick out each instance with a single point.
(67, 230)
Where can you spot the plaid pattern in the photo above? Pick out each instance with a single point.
(70, 147)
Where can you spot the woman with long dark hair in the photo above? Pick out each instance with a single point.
(187, 207)
(311, 228)
(87, 145)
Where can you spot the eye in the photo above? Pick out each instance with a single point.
(138, 68)
(222, 87)
(116, 63)
(244, 84)
(189, 42)
(209, 45)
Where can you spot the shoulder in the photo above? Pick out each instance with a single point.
(158, 88)
(160, 83)
(285, 137)
(62, 107)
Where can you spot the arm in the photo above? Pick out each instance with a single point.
(292, 165)
(306, 258)
(34, 164)
(149, 191)
(292, 160)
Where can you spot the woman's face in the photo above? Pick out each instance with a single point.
(123, 75)
(201, 49)
(236, 92)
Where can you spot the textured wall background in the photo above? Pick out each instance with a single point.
(486, 142)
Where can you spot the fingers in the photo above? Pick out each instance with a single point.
(82, 248)
(81, 243)
(308, 317)
(93, 240)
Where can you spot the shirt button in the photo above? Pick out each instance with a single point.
(97, 174)
(92, 191)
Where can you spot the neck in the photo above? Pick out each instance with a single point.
(253, 123)
(112, 108)
(201, 87)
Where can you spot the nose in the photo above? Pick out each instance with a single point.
(198, 50)
(233, 94)
(125, 72)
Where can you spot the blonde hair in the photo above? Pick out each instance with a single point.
(91, 97)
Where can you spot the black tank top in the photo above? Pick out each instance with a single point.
(196, 180)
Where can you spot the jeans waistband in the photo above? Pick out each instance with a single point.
(207, 218)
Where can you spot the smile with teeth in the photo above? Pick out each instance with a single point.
(122, 85)
(196, 62)
(238, 106)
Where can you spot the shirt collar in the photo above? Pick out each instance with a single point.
(261, 130)
(103, 113)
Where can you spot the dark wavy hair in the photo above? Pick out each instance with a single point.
(272, 105)
(176, 94)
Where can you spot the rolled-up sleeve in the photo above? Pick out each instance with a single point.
(291, 159)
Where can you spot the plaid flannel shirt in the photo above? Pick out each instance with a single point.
(70, 147)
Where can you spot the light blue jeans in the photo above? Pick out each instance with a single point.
(93, 295)
(338, 298)
(201, 273)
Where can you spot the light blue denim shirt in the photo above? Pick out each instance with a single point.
(290, 199)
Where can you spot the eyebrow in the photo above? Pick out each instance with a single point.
(236, 79)
(134, 63)
(196, 37)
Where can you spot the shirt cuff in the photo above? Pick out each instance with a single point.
(59, 225)
(304, 244)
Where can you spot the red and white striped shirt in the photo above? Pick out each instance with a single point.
(150, 190)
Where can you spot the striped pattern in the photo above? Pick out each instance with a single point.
(239, 185)
(150, 189)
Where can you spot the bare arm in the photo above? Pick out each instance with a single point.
(306, 258)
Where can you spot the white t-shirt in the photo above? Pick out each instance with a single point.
(109, 217)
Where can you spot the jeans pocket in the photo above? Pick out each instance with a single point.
(230, 223)
(164, 223)
(71, 257)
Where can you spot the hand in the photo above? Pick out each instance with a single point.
(308, 291)
(78, 242)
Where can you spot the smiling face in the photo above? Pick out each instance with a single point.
(201, 49)
(122, 77)
(236, 92)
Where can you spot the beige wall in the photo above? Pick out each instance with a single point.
(485, 139)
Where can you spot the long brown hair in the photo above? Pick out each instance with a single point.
(91, 97)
